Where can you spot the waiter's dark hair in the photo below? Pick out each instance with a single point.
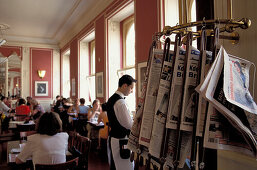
(126, 79)
(49, 124)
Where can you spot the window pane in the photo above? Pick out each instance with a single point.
(92, 57)
(130, 46)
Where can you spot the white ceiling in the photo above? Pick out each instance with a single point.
(42, 21)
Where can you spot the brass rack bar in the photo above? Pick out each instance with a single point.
(229, 25)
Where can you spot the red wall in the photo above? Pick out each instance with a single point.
(74, 66)
(100, 48)
(146, 24)
(41, 59)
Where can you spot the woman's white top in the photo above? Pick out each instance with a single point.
(44, 149)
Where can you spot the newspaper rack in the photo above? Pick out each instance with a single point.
(206, 28)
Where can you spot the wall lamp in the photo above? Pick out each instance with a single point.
(41, 73)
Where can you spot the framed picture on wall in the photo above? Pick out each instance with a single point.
(99, 84)
(141, 76)
(41, 88)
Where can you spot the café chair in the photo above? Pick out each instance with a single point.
(82, 144)
(23, 128)
(69, 165)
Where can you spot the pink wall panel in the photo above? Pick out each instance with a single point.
(41, 59)
(74, 66)
(146, 24)
(100, 48)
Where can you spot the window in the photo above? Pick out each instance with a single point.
(171, 10)
(87, 67)
(66, 74)
(121, 50)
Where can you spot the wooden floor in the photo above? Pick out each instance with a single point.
(97, 161)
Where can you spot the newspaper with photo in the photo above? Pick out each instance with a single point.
(212, 89)
(150, 98)
(161, 107)
(133, 141)
(185, 149)
(236, 83)
(176, 91)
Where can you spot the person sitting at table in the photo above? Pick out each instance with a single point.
(82, 108)
(103, 133)
(28, 100)
(93, 115)
(62, 111)
(22, 108)
(48, 145)
(74, 108)
(6, 116)
(37, 109)
(8, 102)
(58, 97)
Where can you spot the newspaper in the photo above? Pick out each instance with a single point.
(188, 104)
(236, 83)
(150, 98)
(220, 134)
(185, 149)
(161, 107)
(205, 66)
(133, 141)
(176, 91)
(212, 90)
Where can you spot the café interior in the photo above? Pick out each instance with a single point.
(74, 49)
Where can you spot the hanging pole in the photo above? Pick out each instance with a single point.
(229, 9)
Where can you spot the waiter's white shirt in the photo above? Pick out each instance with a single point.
(122, 112)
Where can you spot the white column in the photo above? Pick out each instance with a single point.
(6, 78)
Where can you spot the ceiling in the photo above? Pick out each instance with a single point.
(43, 21)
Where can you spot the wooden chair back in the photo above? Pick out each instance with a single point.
(69, 165)
(83, 145)
(23, 128)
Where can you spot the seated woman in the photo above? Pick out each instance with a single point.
(49, 145)
(74, 108)
(37, 110)
(22, 109)
(103, 133)
(93, 115)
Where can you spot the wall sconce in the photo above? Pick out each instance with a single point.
(41, 73)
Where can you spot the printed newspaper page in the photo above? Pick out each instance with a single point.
(176, 91)
(133, 142)
(161, 109)
(189, 98)
(185, 149)
(213, 91)
(220, 134)
(236, 83)
(206, 64)
(150, 98)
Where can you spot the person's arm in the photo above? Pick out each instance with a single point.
(70, 109)
(100, 118)
(123, 114)
(90, 114)
(26, 152)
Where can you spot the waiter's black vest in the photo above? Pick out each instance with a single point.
(117, 131)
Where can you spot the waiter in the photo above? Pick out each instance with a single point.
(120, 123)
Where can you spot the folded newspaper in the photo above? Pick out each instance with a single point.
(227, 124)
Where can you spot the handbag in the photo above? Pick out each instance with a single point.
(124, 152)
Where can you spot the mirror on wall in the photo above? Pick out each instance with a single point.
(10, 76)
